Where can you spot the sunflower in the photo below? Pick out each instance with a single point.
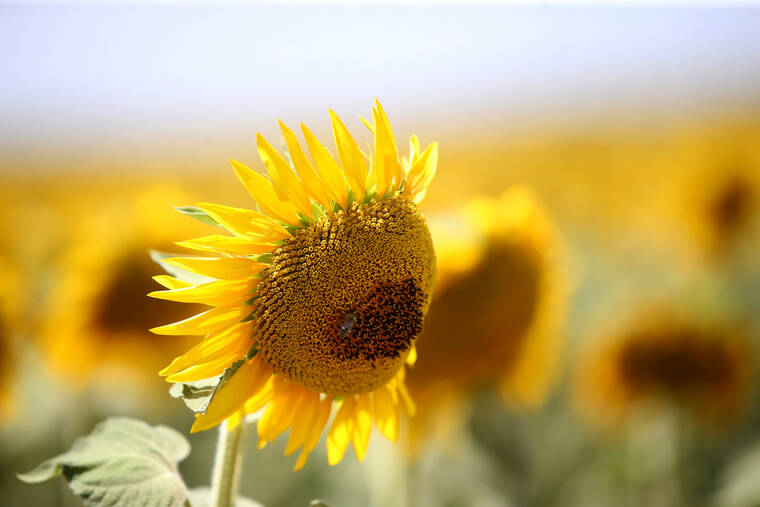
(10, 307)
(705, 369)
(96, 325)
(9, 285)
(495, 316)
(318, 296)
(716, 205)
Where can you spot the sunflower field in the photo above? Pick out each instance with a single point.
(380, 255)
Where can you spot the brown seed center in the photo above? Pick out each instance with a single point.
(344, 299)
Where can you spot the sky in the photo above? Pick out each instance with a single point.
(83, 83)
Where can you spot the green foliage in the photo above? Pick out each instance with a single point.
(123, 462)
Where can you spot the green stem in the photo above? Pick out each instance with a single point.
(227, 465)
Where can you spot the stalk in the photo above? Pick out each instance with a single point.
(227, 465)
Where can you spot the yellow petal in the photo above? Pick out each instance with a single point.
(243, 384)
(414, 149)
(280, 412)
(367, 124)
(286, 184)
(261, 398)
(315, 430)
(386, 413)
(172, 283)
(409, 405)
(332, 175)
(351, 157)
(303, 167)
(228, 268)
(219, 293)
(340, 432)
(212, 347)
(213, 367)
(301, 424)
(245, 223)
(227, 244)
(302, 458)
(205, 322)
(411, 358)
(387, 165)
(263, 192)
(362, 427)
(422, 171)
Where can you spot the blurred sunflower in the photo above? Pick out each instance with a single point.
(719, 196)
(318, 298)
(9, 286)
(497, 308)
(95, 326)
(706, 370)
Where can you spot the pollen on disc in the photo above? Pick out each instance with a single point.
(344, 299)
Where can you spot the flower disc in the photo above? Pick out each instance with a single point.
(344, 299)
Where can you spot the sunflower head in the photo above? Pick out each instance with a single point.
(731, 204)
(355, 286)
(495, 315)
(503, 290)
(703, 369)
(719, 205)
(96, 325)
(7, 343)
(319, 294)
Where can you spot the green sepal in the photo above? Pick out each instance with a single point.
(371, 194)
(265, 258)
(198, 214)
(197, 394)
(291, 229)
(350, 198)
(317, 210)
(303, 219)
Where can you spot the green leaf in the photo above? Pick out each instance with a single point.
(198, 214)
(123, 462)
(201, 497)
(182, 274)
